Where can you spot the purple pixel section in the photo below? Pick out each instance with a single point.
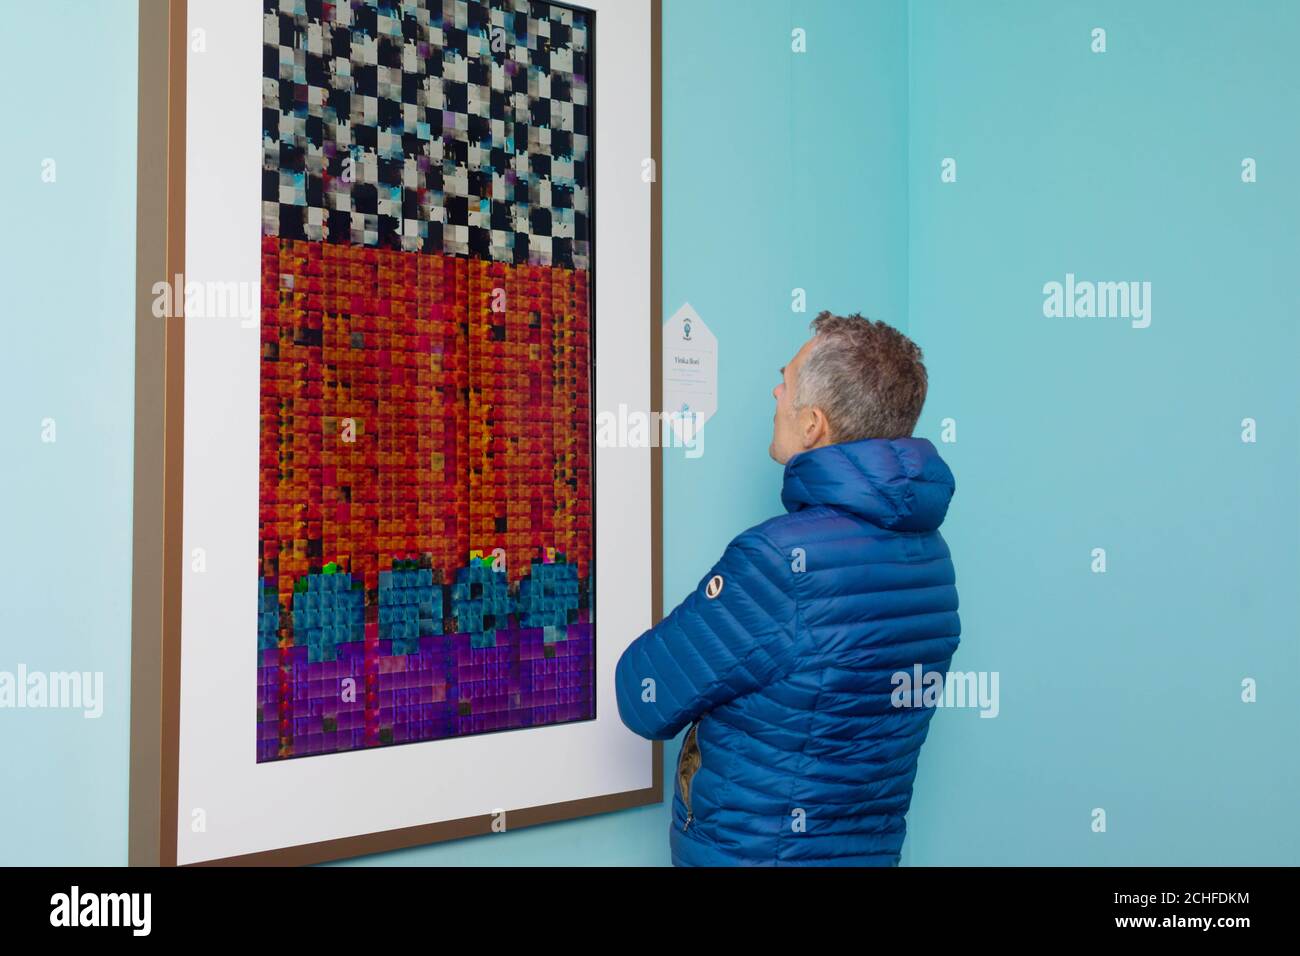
(446, 689)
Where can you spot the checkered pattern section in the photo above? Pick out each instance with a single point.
(434, 126)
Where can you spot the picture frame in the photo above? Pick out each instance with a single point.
(198, 796)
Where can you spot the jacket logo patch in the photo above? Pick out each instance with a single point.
(714, 587)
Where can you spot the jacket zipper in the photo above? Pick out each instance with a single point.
(690, 814)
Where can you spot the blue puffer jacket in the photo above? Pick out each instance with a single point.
(783, 661)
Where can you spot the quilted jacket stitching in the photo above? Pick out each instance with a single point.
(791, 632)
(796, 779)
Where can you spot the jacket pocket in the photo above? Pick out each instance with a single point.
(688, 764)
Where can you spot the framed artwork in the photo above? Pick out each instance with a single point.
(372, 340)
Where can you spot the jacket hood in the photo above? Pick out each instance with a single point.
(897, 483)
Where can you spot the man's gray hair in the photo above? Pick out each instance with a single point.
(867, 377)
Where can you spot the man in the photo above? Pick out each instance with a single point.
(788, 657)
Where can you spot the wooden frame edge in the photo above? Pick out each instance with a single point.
(157, 561)
(159, 438)
(657, 341)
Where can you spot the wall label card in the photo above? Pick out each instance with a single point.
(690, 372)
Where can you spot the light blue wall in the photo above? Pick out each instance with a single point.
(821, 171)
(68, 254)
(1120, 690)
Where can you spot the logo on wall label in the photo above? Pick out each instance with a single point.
(714, 587)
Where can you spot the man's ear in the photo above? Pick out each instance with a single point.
(815, 429)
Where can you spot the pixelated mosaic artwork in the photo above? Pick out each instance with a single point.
(425, 546)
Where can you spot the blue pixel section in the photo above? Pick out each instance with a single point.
(481, 602)
(548, 598)
(268, 615)
(328, 610)
(410, 606)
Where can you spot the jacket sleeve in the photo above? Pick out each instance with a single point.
(709, 650)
